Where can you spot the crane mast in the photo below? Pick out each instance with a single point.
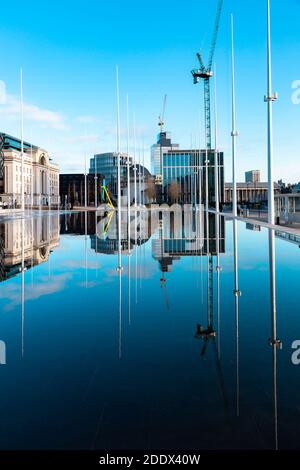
(205, 73)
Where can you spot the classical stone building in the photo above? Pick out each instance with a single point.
(41, 175)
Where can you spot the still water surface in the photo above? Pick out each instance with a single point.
(188, 347)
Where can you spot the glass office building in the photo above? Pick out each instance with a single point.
(184, 176)
(106, 165)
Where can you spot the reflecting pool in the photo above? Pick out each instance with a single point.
(182, 333)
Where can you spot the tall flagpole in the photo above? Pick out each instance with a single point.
(269, 100)
(234, 132)
(22, 141)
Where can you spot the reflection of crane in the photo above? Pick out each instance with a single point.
(206, 73)
(161, 117)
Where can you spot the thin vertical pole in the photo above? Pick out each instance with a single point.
(31, 181)
(96, 184)
(140, 192)
(85, 178)
(234, 133)
(269, 100)
(143, 180)
(119, 170)
(216, 143)
(134, 156)
(22, 141)
(128, 159)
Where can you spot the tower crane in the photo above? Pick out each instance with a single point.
(161, 117)
(206, 74)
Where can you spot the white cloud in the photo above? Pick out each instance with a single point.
(82, 138)
(87, 119)
(45, 117)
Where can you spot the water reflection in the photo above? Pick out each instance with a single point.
(25, 243)
(164, 368)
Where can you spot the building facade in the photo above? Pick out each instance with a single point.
(107, 165)
(163, 145)
(185, 175)
(41, 175)
(252, 176)
(250, 193)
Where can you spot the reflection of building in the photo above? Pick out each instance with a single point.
(252, 176)
(41, 174)
(41, 235)
(72, 189)
(253, 193)
(186, 234)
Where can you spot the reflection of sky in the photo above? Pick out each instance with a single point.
(72, 379)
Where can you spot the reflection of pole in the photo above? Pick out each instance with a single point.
(274, 342)
(237, 294)
(218, 269)
(120, 313)
(23, 283)
(135, 236)
(85, 247)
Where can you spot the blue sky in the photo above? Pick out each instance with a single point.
(69, 50)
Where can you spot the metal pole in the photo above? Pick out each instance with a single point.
(128, 160)
(216, 143)
(22, 141)
(143, 180)
(140, 193)
(134, 156)
(119, 171)
(96, 185)
(85, 178)
(234, 133)
(269, 100)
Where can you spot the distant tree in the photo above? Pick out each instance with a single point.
(151, 190)
(174, 191)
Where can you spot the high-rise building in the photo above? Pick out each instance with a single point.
(252, 176)
(163, 145)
